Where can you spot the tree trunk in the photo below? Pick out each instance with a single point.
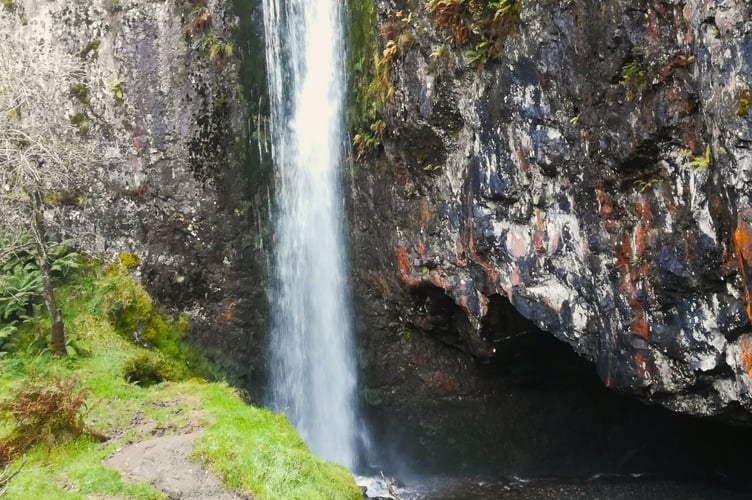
(57, 342)
(57, 339)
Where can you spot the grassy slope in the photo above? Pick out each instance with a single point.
(253, 450)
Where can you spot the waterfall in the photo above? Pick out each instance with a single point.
(312, 367)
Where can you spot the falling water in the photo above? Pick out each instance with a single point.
(312, 367)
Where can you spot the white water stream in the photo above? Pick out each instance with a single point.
(312, 366)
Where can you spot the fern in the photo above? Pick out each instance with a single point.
(18, 289)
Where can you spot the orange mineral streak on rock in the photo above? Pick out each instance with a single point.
(651, 27)
(606, 209)
(421, 249)
(539, 235)
(523, 161)
(403, 263)
(413, 280)
(743, 250)
(689, 139)
(645, 212)
(425, 212)
(639, 240)
(492, 274)
(659, 8)
(442, 384)
(624, 254)
(437, 280)
(680, 61)
(460, 251)
(229, 310)
(746, 357)
(687, 15)
(639, 364)
(639, 325)
(463, 302)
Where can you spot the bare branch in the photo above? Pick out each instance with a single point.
(6, 476)
(42, 154)
(390, 483)
(41, 151)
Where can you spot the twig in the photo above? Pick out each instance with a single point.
(390, 486)
(5, 477)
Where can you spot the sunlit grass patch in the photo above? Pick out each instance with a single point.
(257, 451)
(254, 451)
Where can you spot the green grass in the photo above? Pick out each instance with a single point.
(73, 470)
(254, 451)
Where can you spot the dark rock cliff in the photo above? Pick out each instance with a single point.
(591, 180)
(174, 97)
(588, 181)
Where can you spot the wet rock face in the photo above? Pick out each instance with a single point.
(595, 178)
(163, 97)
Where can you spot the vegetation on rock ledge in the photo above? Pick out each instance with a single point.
(370, 87)
(482, 24)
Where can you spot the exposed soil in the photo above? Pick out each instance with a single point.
(163, 460)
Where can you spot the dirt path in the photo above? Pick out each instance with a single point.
(163, 461)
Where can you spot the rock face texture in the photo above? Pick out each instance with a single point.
(589, 179)
(181, 184)
(592, 179)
